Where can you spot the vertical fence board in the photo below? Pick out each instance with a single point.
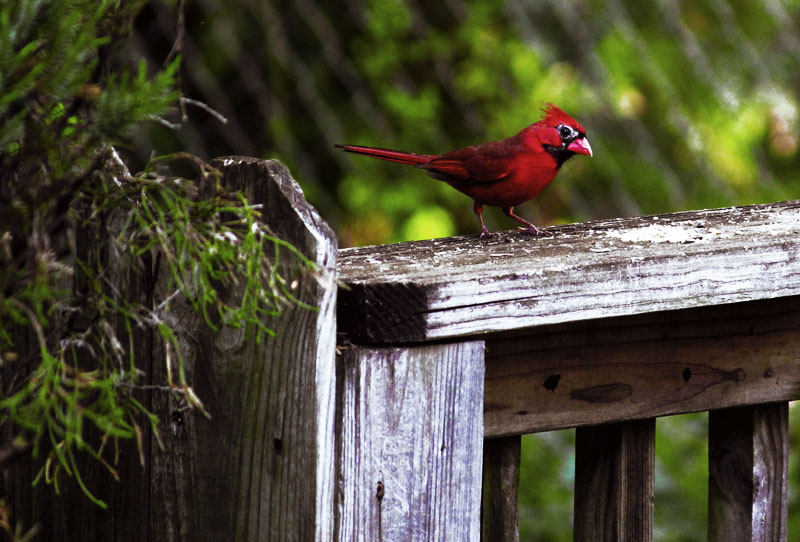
(748, 471)
(69, 514)
(262, 467)
(500, 517)
(614, 473)
(410, 443)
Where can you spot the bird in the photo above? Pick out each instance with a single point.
(501, 173)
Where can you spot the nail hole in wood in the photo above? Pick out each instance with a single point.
(551, 383)
(379, 491)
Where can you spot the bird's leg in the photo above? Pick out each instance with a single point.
(533, 230)
(478, 208)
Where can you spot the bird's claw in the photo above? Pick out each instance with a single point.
(486, 234)
(536, 232)
(540, 233)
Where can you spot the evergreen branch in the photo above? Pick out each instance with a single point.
(63, 105)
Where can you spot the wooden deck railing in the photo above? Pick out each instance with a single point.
(604, 327)
(449, 350)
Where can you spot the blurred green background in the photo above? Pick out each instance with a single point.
(687, 105)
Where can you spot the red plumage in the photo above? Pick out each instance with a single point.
(501, 173)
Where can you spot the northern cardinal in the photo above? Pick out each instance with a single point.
(501, 173)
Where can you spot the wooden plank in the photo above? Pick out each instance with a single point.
(410, 439)
(262, 468)
(748, 456)
(500, 519)
(464, 285)
(67, 514)
(674, 362)
(614, 473)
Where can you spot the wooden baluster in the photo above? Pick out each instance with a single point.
(614, 471)
(500, 517)
(748, 458)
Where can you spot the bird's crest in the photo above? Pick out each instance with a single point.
(553, 116)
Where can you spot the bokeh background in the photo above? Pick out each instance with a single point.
(687, 105)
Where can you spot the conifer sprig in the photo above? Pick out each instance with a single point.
(73, 221)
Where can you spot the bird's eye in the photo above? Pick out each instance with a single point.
(565, 131)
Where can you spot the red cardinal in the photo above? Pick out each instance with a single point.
(501, 173)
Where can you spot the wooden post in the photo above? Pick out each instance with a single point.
(410, 439)
(262, 467)
(500, 519)
(748, 458)
(614, 473)
(69, 515)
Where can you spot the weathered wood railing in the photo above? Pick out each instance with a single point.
(451, 349)
(604, 327)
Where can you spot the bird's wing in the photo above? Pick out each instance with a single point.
(479, 164)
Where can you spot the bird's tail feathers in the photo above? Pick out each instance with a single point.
(401, 157)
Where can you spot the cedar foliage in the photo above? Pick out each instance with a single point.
(73, 218)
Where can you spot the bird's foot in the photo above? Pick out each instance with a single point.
(486, 234)
(536, 232)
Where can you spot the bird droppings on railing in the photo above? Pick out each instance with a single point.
(662, 233)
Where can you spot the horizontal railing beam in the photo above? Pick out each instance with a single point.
(619, 369)
(460, 286)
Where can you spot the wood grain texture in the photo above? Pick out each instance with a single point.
(500, 519)
(614, 482)
(410, 438)
(69, 515)
(460, 286)
(637, 367)
(748, 474)
(262, 468)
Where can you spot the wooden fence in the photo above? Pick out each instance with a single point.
(394, 413)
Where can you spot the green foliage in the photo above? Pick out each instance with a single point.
(681, 488)
(74, 221)
(547, 475)
(126, 96)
